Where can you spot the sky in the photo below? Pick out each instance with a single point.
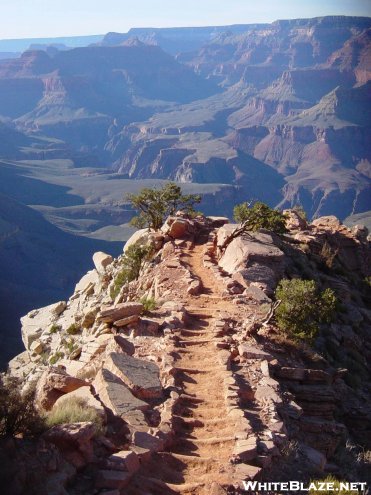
(52, 18)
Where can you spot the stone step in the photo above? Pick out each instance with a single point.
(190, 458)
(201, 423)
(181, 488)
(192, 333)
(210, 351)
(213, 440)
(194, 342)
(195, 371)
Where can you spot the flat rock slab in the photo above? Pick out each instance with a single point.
(124, 344)
(123, 310)
(251, 352)
(303, 374)
(142, 377)
(53, 384)
(125, 460)
(126, 321)
(245, 472)
(246, 450)
(115, 395)
(313, 393)
(146, 441)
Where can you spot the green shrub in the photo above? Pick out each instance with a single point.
(149, 304)
(55, 328)
(69, 344)
(73, 329)
(303, 308)
(336, 487)
(56, 357)
(131, 263)
(260, 216)
(18, 414)
(73, 410)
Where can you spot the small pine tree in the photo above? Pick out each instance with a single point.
(154, 205)
(260, 216)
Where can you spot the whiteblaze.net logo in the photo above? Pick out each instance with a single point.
(257, 487)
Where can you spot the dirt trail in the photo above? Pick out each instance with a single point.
(204, 434)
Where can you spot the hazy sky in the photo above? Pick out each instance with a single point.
(50, 18)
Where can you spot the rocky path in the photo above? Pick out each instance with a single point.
(201, 453)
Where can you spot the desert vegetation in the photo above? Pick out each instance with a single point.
(73, 410)
(149, 304)
(131, 264)
(259, 216)
(18, 415)
(154, 205)
(303, 308)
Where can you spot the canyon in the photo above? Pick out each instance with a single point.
(274, 112)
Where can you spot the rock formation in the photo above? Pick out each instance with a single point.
(203, 392)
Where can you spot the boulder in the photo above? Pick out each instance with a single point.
(253, 292)
(124, 345)
(251, 352)
(148, 327)
(125, 460)
(255, 257)
(53, 384)
(303, 374)
(88, 281)
(360, 232)
(139, 238)
(126, 321)
(114, 313)
(294, 221)
(36, 321)
(115, 395)
(57, 308)
(147, 441)
(36, 347)
(89, 317)
(327, 223)
(142, 377)
(177, 228)
(101, 261)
